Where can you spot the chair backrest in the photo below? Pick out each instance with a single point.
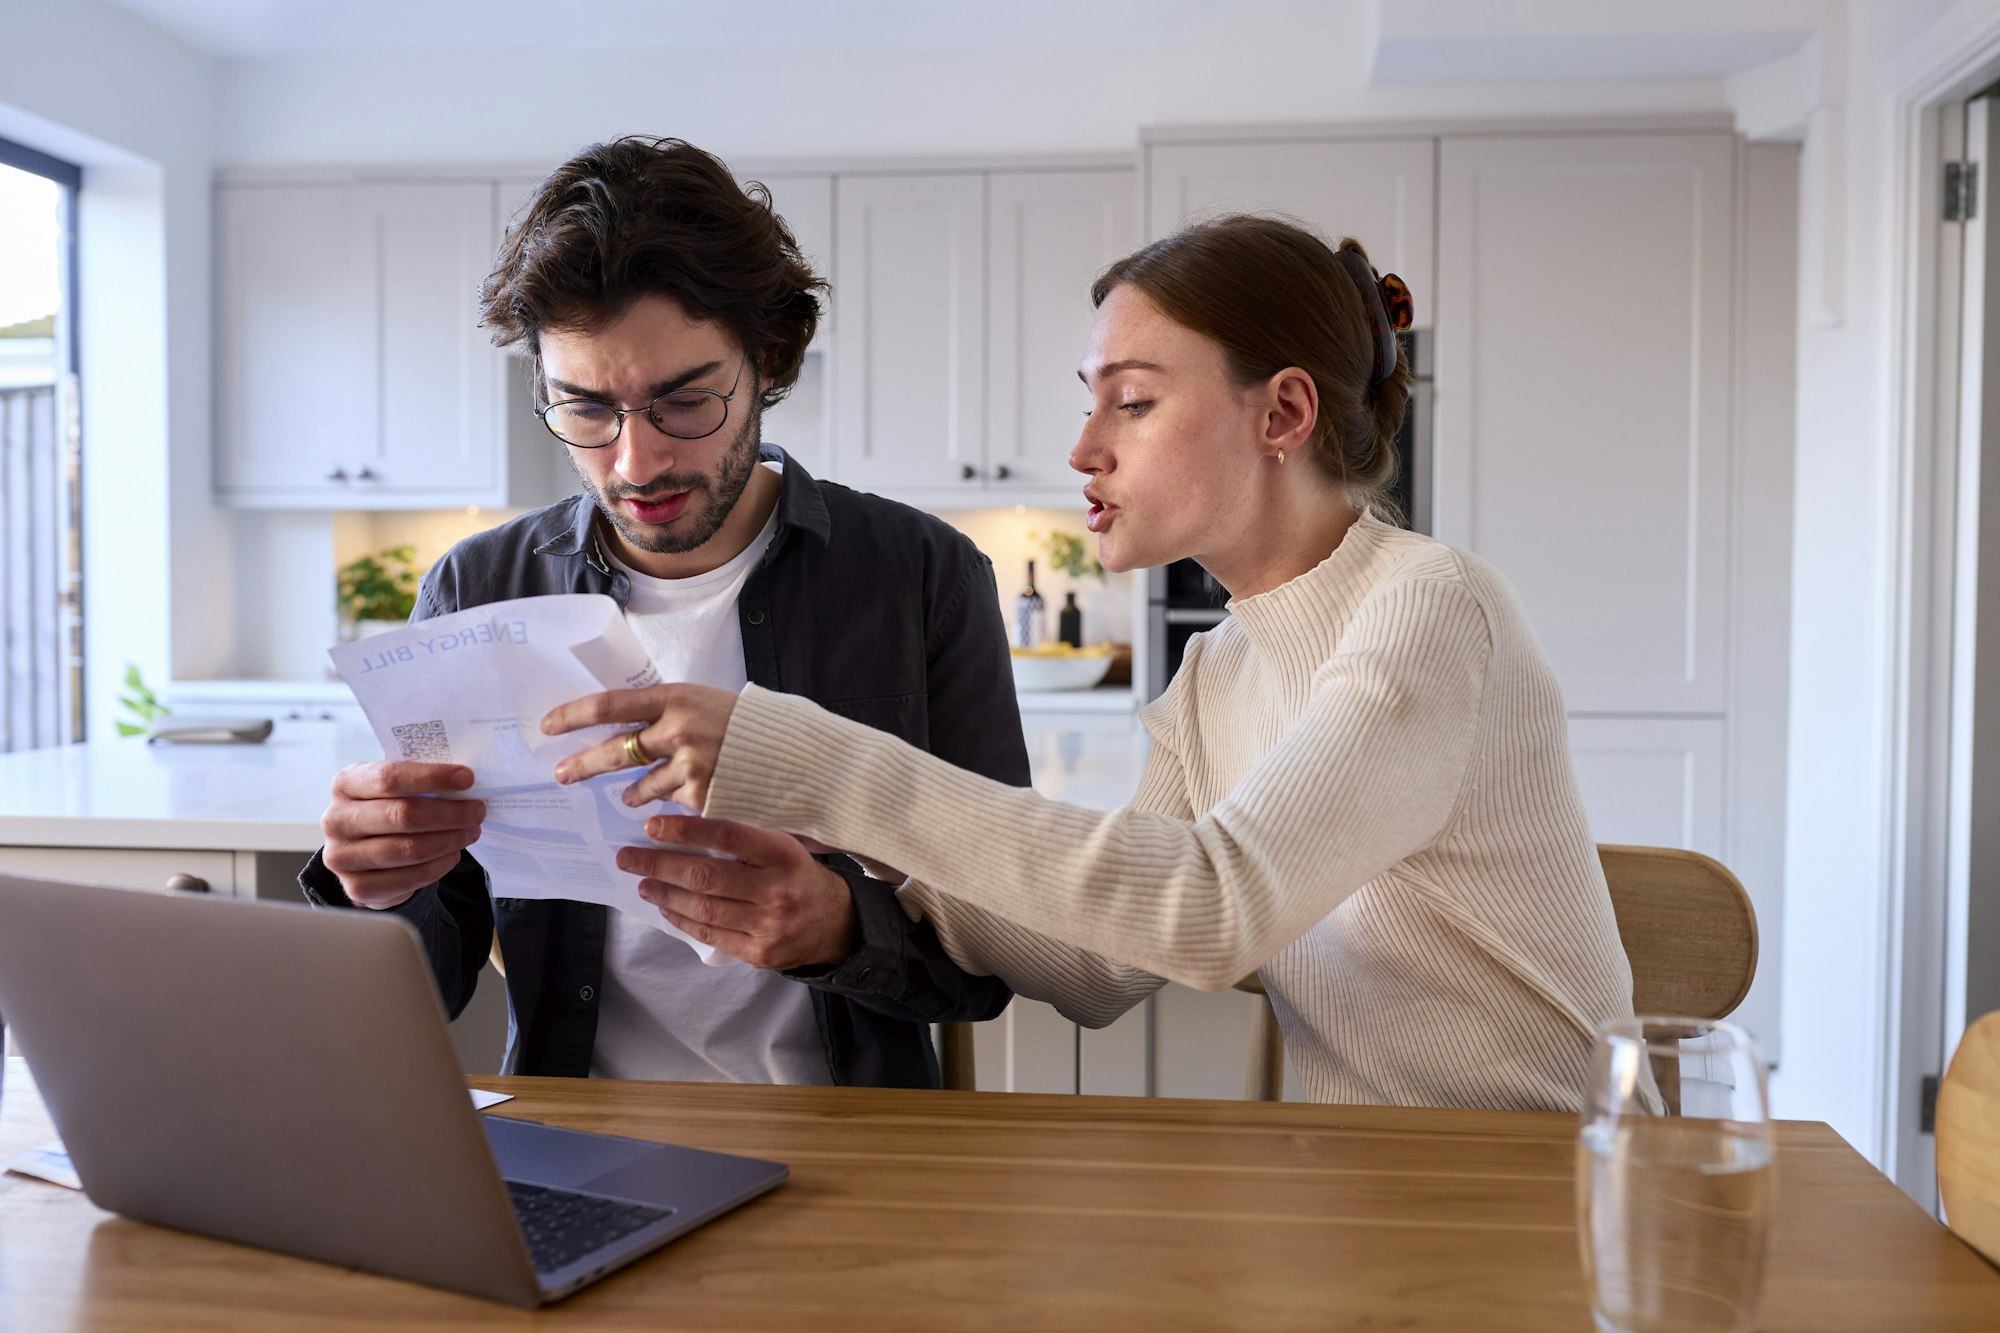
(1264, 1076)
(1688, 929)
(1968, 1139)
(955, 1061)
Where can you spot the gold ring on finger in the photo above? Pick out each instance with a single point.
(636, 752)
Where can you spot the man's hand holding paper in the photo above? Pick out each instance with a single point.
(468, 690)
(765, 900)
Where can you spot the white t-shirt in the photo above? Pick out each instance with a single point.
(663, 1013)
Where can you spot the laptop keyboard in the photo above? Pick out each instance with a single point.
(562, 1226)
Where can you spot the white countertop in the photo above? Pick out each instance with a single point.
(269, 797)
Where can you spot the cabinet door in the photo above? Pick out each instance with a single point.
(806, 205)
(122, 868)
(1029, 1048)
(1583, 397)
(1381, 192)
(1049, 235)
(295, 386)
(910, 267)
(437, 427)
(1654, 782)
(803, 423)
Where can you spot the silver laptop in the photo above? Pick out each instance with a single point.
(282, 1077)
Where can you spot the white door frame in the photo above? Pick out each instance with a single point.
(1956, 58)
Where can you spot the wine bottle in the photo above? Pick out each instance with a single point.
(1030, 625)
(1069, 622)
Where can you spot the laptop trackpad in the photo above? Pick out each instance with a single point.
(568, 1158)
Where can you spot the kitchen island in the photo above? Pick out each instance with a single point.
(243, 820)
(127, 813)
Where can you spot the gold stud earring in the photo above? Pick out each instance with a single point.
(1281, 458)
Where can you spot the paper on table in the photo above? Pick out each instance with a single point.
(51, 1162)
(471, 688)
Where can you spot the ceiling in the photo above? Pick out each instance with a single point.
(254, 28)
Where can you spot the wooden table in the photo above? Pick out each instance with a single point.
(937, 1211)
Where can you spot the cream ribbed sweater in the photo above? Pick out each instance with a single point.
(1359, 788)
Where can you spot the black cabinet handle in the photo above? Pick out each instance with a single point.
(968, 473)
(1001, 473)
(338, 474)
(366, 474)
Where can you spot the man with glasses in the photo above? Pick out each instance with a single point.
(665, 308)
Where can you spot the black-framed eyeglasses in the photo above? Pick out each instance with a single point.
(685, 414)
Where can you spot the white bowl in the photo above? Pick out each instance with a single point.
(1080, 672)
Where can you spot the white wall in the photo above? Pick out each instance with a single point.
(85, 81)
(1838, 913)
(1302, 60)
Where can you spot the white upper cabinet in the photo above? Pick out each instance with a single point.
(351, 369)
(806, 205)
(1049, 234)
(294, 380)
(964, 306)
(1381, 192)
(1583, 399)
(439, 378)
(803, 423)
(909, 369)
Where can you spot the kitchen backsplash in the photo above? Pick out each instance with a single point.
(286, 562)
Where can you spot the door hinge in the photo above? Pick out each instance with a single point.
(1961, 187)
(1927, 1105)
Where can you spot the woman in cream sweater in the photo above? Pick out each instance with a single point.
(1359, 785)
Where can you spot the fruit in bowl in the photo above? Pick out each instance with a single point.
(1057, 666)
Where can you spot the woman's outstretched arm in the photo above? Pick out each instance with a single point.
(1085, 987)
(1368, 774)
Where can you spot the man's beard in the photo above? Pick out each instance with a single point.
(710, 499)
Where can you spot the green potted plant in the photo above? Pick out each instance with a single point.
(1070, 556)
(378, 592)
(140, 701)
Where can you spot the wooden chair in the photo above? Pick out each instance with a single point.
(1264, 1078)
(1968, 1139)
(955, 1057)
(1688, 929)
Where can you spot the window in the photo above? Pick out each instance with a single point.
(41, 628)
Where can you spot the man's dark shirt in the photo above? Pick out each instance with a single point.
(872, 609)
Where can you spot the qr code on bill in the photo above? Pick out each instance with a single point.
(423, 742)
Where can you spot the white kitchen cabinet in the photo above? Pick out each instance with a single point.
(126, 868)
(806, 205)
(352, 373)
(803, 423)
(1583, 399)
(293, 374)
(1379, 191)
(438, 390)
(1028, 1048)
(909, 373)
(965, 305)
(1655, 782)
(1049, 234)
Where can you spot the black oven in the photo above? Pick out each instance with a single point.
(1182, 600)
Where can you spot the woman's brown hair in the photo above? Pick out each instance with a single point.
(1274, 296)
(654, 217)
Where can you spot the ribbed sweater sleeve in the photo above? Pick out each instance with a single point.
(1084, 987)
(1368, 774)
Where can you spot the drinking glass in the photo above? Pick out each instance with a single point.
(1674, 1177)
